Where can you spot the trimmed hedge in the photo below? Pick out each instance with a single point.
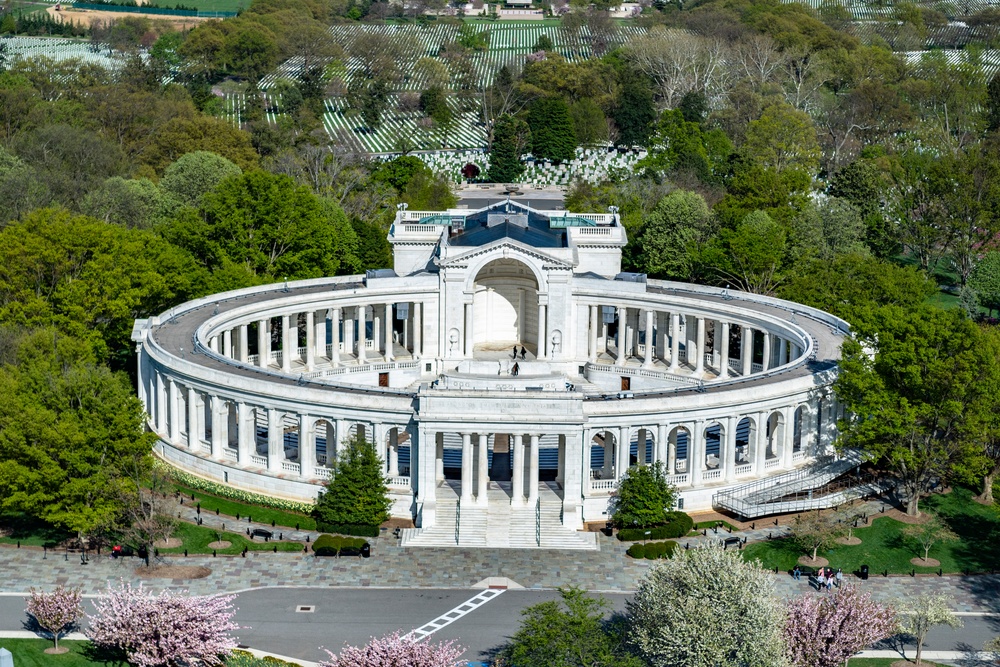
(331, 545)
(348, 529)
(679, 525)
(225, 491)
(652, 550)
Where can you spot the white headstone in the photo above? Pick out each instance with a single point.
(6, 659)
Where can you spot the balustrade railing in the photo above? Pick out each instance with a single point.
(799, 455)
(771, 464)
(230, 454)
(322, 473)
(602, 484)
(253, 359)
(398, 481)
(711, 474)
(677, 479)
(291, 466)
(744, 469)
(756, 368)
(258, 460)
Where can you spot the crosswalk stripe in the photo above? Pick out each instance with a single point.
(453, 615)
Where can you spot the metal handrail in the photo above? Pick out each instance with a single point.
(538, 522)
(458, 519)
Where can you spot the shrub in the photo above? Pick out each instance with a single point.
(678, 525)
(225, 491)
(348, 529)
(655, 550)
(244, 659)
(332, 545)
(637, 550)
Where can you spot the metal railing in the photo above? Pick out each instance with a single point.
(538, 522)
(458, 520)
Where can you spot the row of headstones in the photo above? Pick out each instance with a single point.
(591, 164)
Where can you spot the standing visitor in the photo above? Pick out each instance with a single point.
(840, 576)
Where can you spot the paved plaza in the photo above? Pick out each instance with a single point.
(606, 570)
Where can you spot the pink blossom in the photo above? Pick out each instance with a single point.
(56, 611)
(826, 630)
(164, 630)
(396, 651)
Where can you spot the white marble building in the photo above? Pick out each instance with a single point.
(255, 387)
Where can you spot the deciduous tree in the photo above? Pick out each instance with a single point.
(699, 607)
(826, 631)
(929, 533)
(166, 630)
(397, 651)
(813, 531)
(56, 611)
(918, 614)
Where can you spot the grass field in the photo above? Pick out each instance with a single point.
(197, 538)
(210, 503)
(31, 532)
(31, 653)
(883, 548)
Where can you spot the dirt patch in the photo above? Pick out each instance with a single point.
(907, 663)
(392, 524)
(930, 562)
(52, 650)
(85, 17)
(172, 572)
(851, 541)
(903, 517)
(819, 562)
(169, 543)
(220, 544)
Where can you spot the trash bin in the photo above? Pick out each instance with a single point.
(366, 550)
(864, 572)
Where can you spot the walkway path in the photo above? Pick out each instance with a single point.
(393, 567)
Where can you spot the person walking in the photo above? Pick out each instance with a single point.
(514, 370)
(821, 578)
(522, 353)
(514, 355)
(829, 581)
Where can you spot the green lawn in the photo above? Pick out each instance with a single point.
(30, 653)
(31, 532)
(883, 548)
(197, 538)
(210, 503)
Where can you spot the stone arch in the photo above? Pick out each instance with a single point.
(775, 435)
(357, 428)
(324, 440)
(798, 423)
(642, 446)
(679, 441)
(532, 264)
(746, 441)
(602, 454)
(714, 438)
(505, 305)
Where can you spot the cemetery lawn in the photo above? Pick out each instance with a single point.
(197, 538)
(883, 548)
(30, 653)
(210, 503)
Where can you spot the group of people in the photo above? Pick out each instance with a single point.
(825, 577)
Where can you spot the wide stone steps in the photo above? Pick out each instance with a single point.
(500, 525)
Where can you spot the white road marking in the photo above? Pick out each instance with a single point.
(458, 612)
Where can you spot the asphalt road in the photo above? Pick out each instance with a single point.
(354, 615)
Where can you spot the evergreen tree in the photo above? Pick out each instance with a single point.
(356, 494)
(993, 103)
(634, 114)
(552, 134)
(511, 138)
(644, 498)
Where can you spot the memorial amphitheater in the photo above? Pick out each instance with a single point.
(256, 387)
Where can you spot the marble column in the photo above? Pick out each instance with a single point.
(319, 332)
(310, 340)
(227, 343)
(362, 333)
(724, 352)
(592, 333)
(424, 470)
(729, 460)
(307, 447)
(661, 445)
(263, 343)
(173, 397)
(647, 361)
(286, 344)
(482, 480)
(561, 460)
(662, 337)
(746, 350)
(466, 468)
(468, 333)
(418, 329)
(220, 427)
(788, 436)
(675, 341)
(388, 332)
(671, 451)
(696, 453)
(782, 352)
(699, 366)
(394, 453)
(766, 362)
(517, 473)
(334, 337)
(275, 440)
(624, 444)
(542, 352)
(533, 471)
(622, 344)
(194, 426)
(760, 448)
(573, 480)
(244, 343)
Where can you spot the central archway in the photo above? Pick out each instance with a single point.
(505, 306)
